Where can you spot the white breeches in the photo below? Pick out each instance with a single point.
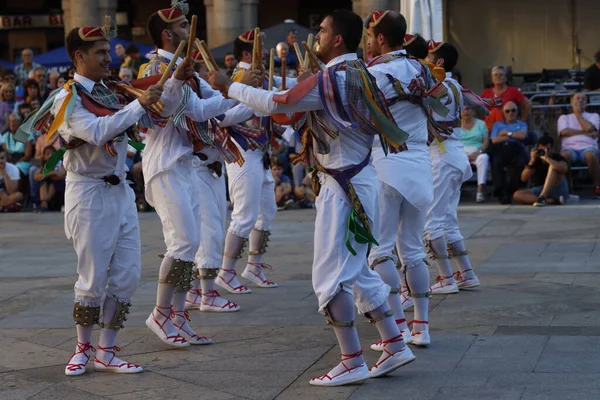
(213, 213)
(252, 191)
(175, 194)
(105, 231)
(482, 163)
(334, 267)
(399, 223)
(441, 216)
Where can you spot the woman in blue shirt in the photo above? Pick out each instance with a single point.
(475, 141)
(508, 152)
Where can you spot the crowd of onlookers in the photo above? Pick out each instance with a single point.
(501, 142)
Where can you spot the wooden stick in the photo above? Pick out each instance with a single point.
(364, 46)
(283, 73)
(209, 60)
(176, 56)
(309, 42)
(271, 68)
(313, 61)
(192, 38)
(205, 57)
(299, 54)
(256, 50)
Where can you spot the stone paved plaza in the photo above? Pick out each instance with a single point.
(531, 332)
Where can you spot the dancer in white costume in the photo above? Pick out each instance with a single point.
(450, 169)
(252, 192)
(173, 184)
(405, 180)
(92, 114)
(338, 147)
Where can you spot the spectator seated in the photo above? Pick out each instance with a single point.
(10, 197)
(283, 185)
(475, 141)
(546, 172)
(579, 138)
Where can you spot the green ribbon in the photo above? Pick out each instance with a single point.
(139, 146)
(436, 105)
(53, 160)
(361, 234)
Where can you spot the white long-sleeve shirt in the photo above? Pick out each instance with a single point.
(409, 172)
(350, 148)
(166, 145)
(91, 159)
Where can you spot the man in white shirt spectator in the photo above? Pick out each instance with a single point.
(10, 197)
(579, 134)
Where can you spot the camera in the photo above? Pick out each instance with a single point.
(541, 152)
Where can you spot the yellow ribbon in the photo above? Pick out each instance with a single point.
(60, 116)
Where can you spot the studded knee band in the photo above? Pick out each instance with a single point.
(432, 254)
(452, 253)
(238, 253)
(387, 314)
(329, 320)
(380, 260)
(264, 243)
(120, 316)
(180, 275)
(206, 273)
(85, 315)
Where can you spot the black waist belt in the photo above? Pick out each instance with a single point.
(266, 161)
(112, 179)
(216, 168)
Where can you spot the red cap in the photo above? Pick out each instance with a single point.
(175, 13)
(374, 18)
(408, 39)
(247, 37)
(95, 33)
(434, 46)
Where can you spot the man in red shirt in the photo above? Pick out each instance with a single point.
(500, 89)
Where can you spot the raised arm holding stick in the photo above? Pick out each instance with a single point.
(171, 65)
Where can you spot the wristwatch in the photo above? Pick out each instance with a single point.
(510, 134)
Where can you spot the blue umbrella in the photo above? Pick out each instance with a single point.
(58, 58)
(6, 64)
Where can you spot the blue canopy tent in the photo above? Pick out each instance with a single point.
(6, 65)
(59, 59)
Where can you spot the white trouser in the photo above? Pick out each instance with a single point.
(441, 216)
(334, 267)
(213, 213)
(103, 223)
(175, 195)
(482, 163)
(252, 191)
(399, 223)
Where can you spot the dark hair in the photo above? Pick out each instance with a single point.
(132, 49)
(392, 27)
(239, 46)
(30, 83)
(155, 27)
(74, 43)
(597, 56)
(418, 48)
(276, 162)
(349, 26)
(49, 147)
(546, 141)
(450, 55)
(21, 106)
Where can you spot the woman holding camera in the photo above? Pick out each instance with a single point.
(508, 152)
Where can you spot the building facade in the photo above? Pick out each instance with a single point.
(42, 24)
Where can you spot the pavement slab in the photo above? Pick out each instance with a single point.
(510, 339)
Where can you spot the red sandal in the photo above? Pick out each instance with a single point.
(74, 369)
(347, 377)
(420, 338)
(240, 289)
(172, 340)
(256, 278)
(230, 306)
(121, 367)
(186, 331)
(392, 361)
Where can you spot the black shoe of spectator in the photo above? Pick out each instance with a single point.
(541, 202)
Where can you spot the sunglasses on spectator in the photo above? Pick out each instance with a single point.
(512, 110)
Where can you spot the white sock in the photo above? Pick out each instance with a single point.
(108, 337)
(387, 329)
(417, 277)
(254, 242)
(463, 261)
(341, 308)
(208, 293)
(164, 297)
(388, 272)
(440, 248)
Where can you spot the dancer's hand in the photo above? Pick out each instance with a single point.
(151, 96)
